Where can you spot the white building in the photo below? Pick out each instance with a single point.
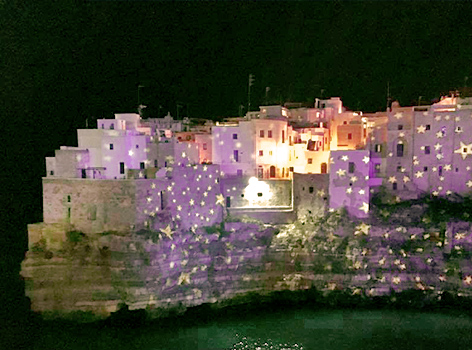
(107, 152)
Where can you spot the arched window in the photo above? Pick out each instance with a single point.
(272, 171)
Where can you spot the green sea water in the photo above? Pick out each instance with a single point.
(295, 329)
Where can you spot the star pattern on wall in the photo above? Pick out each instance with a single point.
(406, 179)
(321, 193)
(398, 115)
(418, 174)
(447, 167)
(469, 183)
(366, 159)
(421, 129)
(364, 207)
(349, 190)
(439, 135)
(392, 179)
(464, 150)
(437, 118)
(353, 179)
(437, 146)
(341, 172)
(167, 231)
(345, 158)
(220, 200)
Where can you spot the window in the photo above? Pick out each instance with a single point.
(290, 140)
(310, 160)
(400, 127)
(261, 133)
(269, 134)
(377, 168)
(291, 168)
(51, 172)
(228, 202)
(344, 122)
(141, 165)
(261, 153)
(428, 127)
(112, 126)
(352, 167)
(84, 174)
(165, 164)
(378, 148)
(283, 136)
(270, 153)
(239, 172)
(68, 199)
(427, 150)
(349, 136)
(324, 168)
(458, 129)
(464, 150)
(443, 131)
(399, 169)
(68, 213)
(204, 146)
(440, 171)
(235, 136)
(259, 194)
(365, 132)
(394, 186)
(155, 163)
(399, 150)
(122, 168)
(272, 171)
(103, 126)
(236, 156)
(425, 168)
(310, 189)
(137, 146)
(111, 146)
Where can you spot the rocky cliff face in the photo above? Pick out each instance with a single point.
(158, 271)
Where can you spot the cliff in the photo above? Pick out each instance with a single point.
(158, 271)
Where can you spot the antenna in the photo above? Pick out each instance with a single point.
(250, 83)
(388, 95)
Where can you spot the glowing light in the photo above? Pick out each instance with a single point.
(220, 199)
(366, 159)
(252, 191)
(130, 153)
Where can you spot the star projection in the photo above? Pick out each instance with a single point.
(464, 150)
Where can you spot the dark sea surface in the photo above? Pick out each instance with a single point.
(289, 329)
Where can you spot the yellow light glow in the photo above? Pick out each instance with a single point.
(252, 191)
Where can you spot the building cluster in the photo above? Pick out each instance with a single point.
(288, 157)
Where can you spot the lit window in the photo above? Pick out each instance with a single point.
(310, 160)
(269, 134)
(270, 153)
(378, 148)
(261, 133)
(261, 153)
(283, 136)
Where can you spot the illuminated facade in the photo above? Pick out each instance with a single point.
(430, 149)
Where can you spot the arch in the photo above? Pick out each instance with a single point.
(272, 171)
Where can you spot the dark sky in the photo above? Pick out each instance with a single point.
(64, 61)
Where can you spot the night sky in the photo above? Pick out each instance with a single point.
(65, 61)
